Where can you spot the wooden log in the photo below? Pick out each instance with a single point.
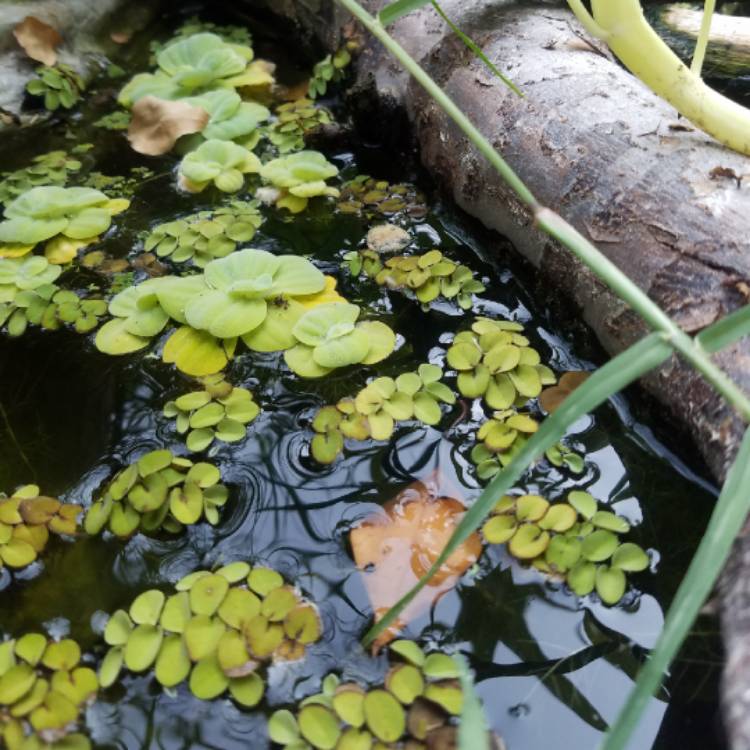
(728, 52)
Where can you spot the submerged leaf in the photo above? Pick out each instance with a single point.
(398, 547)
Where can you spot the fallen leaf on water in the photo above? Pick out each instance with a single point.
(551, 398)
(158, 123)
(120, 37)
(38, 39)
(396, 547)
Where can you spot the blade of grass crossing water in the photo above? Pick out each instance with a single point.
(472, 731)
(727, 518)
(618, 373)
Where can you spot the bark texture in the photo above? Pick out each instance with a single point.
(663, 201)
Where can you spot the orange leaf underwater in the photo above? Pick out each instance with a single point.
(38, 39)
(396, 547)
(158, 123)
(551, 398)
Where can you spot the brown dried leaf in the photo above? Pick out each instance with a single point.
(158, 123)
(551, 398)
(38, 39)
(396, 547)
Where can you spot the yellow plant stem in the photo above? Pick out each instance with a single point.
(630, 37)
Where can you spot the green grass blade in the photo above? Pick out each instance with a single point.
(727, 331)
(472, 731)
(618, 373)
(393, 11)
(701, 44)
(727, 518)
(469, 42)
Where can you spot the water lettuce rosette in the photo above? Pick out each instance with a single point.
(222, 163)
(299, 177)
(239, 287)
(47, 212)
(189, 66)
(329, 336)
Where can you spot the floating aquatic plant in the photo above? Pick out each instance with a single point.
(575, 541)
(377, 408)
(123, 185)
(329, 336)
(206, 235)
(117, 120)
(299, 177)
(230, 33)
(53, 168)
(137, 317)
(60, 86)
(44, 691)
(51, 308)
(379, 198)
(26, 520)
(77, 214)
(215, 632)
(413, 707)
(189, 66)
(221, 163)
(160, 491)
(428, 276)
(331, 69)
(230, 119)
(294, 121)
(234, 301)
(217, 412)
(495, 361)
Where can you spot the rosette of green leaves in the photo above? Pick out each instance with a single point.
(363, 261)
(137, 318)
(377, 408)
(379, 198)
(238, 289)
(117, 120)
(51, 308)
(60, 86)
(230, 119)
(331, 69)
(495, 361)
(430, 276)
(219, 412)
(189, 66)
(294, 121)
(329, 337)
(53, 168)
(214, 632)
(299, 177)
(26, 520)
(160, 491)
(502, 438)
(25, 274)
(44, 692)
(415, 704)
(194, 25)
(206, 235)
(221, 163)
(45, 212)
(575, 541)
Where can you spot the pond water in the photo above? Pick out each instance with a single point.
(552, 669)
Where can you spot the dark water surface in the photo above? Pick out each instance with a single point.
(553, 670)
